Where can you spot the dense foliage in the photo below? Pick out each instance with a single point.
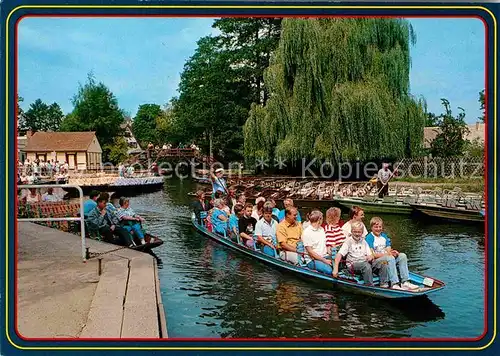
(450, 140)
(40, 117)
(339, 90)
(144, 124)
(220, 82)
(482, 107)
(96, 109)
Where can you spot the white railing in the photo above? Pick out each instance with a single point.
(76, 218)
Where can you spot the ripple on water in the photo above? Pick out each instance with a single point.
(210, 291)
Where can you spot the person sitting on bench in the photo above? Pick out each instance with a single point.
(359, 257)
(130, 220)
(100, 220)
(314, 239)
(288, 233)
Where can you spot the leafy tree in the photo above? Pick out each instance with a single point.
(221, 81)
(96, 109)
(482, 107)
(450, 139)
(249, 42)
(42, 117)
(339, 90)
(144, 124)
(21, 119)
(474, 148)
(431, 120)
(207, 106)
(117, 151)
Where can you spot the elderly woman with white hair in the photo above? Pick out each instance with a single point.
(258, 208)
(314, 240)
(220, 217)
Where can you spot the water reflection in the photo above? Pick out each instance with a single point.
(212, 291)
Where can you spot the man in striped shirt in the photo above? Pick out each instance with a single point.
(130, 220)
(334, 235)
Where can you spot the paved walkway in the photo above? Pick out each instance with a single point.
(60, 296)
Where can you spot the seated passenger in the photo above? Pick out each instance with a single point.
(265, 230)
(359, 257)
(288, 234)
(233, 222)
(49, 196)
(130, 220)
(200, 205)
(99, 220)
(220, 218)
(231, 199)
(33, 196)
(91, 203)
(246, 226)
(335, 236)
(380, 245)
(276, 211)
(257, 208)
(355, 214)
(288, 203)
(314, 240)
(225, 207)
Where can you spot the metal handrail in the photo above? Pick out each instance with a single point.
(81, 218)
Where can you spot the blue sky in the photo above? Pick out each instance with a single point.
(140, 59)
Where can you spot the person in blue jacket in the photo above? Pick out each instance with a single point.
(380, 244)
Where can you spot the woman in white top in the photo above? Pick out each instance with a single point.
(33, 196)
(314, 240)
(355, 214)
(257, 209)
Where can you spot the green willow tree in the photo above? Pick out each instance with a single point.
(339, 90)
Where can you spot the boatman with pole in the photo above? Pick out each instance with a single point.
(383, 177)
(218, 182)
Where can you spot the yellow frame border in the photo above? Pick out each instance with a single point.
(304, 7)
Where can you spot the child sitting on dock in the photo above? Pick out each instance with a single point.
(130, 220)
(380, 244)
(359, 257)
(220, 217)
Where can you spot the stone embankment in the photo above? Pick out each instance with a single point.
(61, 296)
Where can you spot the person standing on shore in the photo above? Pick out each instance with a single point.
(383, 177)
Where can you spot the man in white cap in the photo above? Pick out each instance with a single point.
(218, 182)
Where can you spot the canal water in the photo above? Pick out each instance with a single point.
(211, 291)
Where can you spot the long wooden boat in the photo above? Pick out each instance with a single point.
(379, 206)
(344, 281)
(448, 213)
